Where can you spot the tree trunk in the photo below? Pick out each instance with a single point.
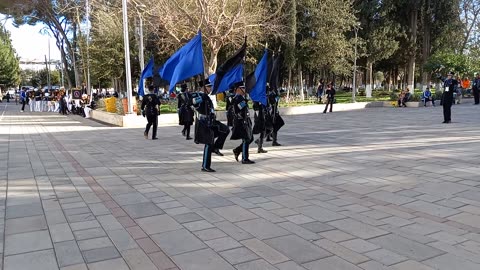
(369, 81)
(413, 54)
(300, 78)
(426, 48)
(289, 84)
(213, 61)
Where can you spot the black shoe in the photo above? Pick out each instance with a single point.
(247, 161)
(324, 112)
(236, 154)
(145, 134)
(217, 152)
(276, 144)
(208, 170)
(261, 150)
(189, 138)
(154, 138)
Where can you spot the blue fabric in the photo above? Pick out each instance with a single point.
(259, 91)
(234, 75)
(184, 63)
(146, 73)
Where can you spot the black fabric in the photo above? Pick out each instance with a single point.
(476, 95)
(152, 120)
(233, 61)
(244, 148)
(274, 73)
(207, 156)
(185, 111)
(203, 133)
(150, 103)
(230, 112)
(447, 98)
(329, 102)
(242, 124)
(259, 118)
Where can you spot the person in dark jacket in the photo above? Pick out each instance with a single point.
(229, 95)
(207, 128)
(7, 96)
(273, 98)
(185, 111)
(330, 93)
(320, 89)
(450, 86)
(242, 124)
(150, 109)
(262, 126)
(476, 89)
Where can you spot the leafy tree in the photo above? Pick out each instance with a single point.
(9, 64)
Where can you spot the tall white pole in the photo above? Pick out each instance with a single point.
(354, 87)
(89, 90)
(127, 57)
(142, 61)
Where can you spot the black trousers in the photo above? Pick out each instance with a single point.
(329, 102)
(427, 100)
(152, 120)
(244, 148)
(260, 140)
(447, 111)
(207, 156)
(23, 105)
(221, 137)
(476, 95)
(186, 129)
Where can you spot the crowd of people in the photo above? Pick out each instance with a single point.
(56, 101)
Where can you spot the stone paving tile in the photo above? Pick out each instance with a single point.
(209, 234)
(38, 260)
(25, 224)
(448, 262)
(255, 265)
(201, 260)
(385, 257)
(177, 242)
(357, 228)
(117, 264)
(238, 255)
(27, 242)
(261, 228)
(406, 247)
(68, 253)
(333, 262)
(223, 243)
(100, 254)
(341, 251)
(264, 251)
(297, 249)
(234, 213)
(137, 260)
(158, 224)
(89, 234)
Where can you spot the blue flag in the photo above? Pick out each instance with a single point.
(184, 63)
(146, 73)
(234, 75)
(257, 82)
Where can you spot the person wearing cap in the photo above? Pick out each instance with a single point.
(476, 89)
(277, 121)
(229, 95)
(150, 109)
(242, 124)
(450, 86)
(207, 128)
(185, 111)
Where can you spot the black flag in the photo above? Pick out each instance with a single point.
(232, 62)
(274, 74)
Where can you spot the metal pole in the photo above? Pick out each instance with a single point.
(127, 57)
(89, 90)
(142, 61)
(354, 87)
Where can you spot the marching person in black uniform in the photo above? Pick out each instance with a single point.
(185, 111)
(150, 109)
(229, 95)
(207, 128)
(277, 121)
(476, 89)
(450, 86)
(242, 124)
(262, 126)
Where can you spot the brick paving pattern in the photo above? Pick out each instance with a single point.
(379, 188)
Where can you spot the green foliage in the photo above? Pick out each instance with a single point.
(443, 62)
(9, 64)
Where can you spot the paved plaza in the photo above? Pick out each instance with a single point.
(373, 189)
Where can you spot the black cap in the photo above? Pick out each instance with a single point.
(238, 85)
(205, 83)
(451, 73)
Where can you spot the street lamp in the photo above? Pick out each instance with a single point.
(128, 71)
(354, 86)
(140, 9)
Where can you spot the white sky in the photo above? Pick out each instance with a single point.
(29, 43)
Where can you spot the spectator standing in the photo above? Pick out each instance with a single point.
(330, 93)
(476, 89)
(320, 89)
(7, 96)
(23, 98)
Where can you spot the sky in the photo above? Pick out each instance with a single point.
(29, 43)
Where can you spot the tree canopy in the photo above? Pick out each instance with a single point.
(9, 64)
